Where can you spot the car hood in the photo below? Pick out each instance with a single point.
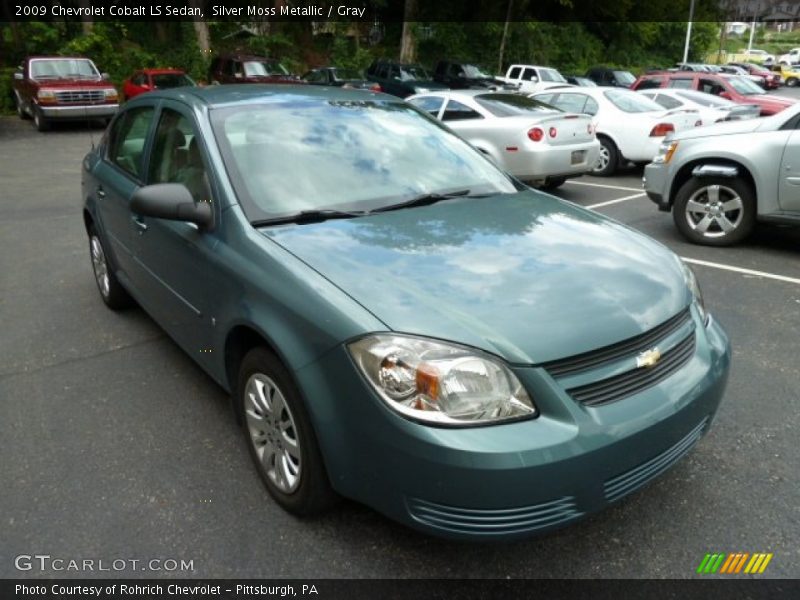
(72, 82)
(724, 128)
(526, 276)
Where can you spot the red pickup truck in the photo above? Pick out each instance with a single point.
(56, 88)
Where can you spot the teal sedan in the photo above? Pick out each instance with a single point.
(398, 321)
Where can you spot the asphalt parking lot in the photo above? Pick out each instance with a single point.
(116, 445)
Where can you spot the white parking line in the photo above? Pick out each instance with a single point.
(610, 202)
(604, 186)
(763, 274)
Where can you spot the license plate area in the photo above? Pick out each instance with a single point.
(578, 156)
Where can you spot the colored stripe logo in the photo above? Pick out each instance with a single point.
(734, 563)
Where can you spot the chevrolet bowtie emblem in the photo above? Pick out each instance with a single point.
(648, 358)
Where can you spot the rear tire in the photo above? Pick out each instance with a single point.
(715, 211)
(608, 160)
(552, 183)
(791, 82)
(280, 437)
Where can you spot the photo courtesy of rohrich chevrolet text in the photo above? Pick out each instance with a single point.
(399, 297)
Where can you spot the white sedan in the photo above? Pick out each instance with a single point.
(534, 142)
(629, 126)
(712, 109)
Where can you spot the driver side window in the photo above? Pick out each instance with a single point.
(176, 156)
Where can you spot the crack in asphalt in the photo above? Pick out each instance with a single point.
(79, 359)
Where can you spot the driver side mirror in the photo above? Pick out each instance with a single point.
(171, 201)
(105, 76)
(18, 76)
(533, 79)
(724, 94)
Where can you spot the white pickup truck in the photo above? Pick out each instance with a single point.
(790, 58)
(530, 78)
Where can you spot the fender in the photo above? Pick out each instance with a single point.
(710, 170)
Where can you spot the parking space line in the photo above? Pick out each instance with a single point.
(604, 186)
(713, 265)
(610, 202)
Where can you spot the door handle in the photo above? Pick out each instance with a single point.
(101, 193)
(140, 224)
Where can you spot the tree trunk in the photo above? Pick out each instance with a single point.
(504, 38)
(86, 22)
(408, 41)
(201, 29)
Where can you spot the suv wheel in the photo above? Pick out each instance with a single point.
(791, 82)
(39, 120)
(280, 436)
(20, 109)
(715, 211)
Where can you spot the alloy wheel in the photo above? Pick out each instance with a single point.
(714, 211)
(100, 266)
(273, 432)
(603, 159)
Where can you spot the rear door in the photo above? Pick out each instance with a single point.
(116, 176)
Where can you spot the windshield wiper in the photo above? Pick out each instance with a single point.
(425, 200)
(310, 216)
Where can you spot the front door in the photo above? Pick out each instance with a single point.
(789, 174)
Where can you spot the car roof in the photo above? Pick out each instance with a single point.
(214, 96)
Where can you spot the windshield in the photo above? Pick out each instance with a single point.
(473, 72)
(745, 86)
(291, 154)
(346, 74)
(63, 68)
(171, 80)
(704, 99)
(631, 102)
(551, 75)
(253, 68)
(413, 73)
(511, 105)
(624, 77)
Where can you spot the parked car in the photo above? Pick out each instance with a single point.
(339, 77)
(629, 127)
(401, 79)
(790, 58)
(62, 88)
(531, 78)
(712, 109)
(244, 68)
(764, 77)
(580, 81)
(530, 140)
(730, 87)
(607, 76)
(147, 80)
(737, 70)
(691, 67)
(790, 75)
(761, 55)
(720, 181)
(390, 311)
(463, 76)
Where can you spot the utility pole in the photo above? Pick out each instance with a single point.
(688, 32)
(752, 32)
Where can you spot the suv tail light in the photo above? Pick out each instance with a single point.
(662, 129)
(375, 87)
(536, 134)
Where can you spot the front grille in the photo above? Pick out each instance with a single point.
(80, 97)
(494, 521)
(631, 382)
(629, 347)
(622, 485)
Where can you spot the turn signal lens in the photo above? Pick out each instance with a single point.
(662, 129)
(536, 134)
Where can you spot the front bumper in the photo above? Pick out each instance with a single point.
(513, 480)
(94, 111)
(655, 184)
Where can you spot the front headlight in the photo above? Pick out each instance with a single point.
(110, 93)
(665, 152)
(694, 287)
(440, 383)
(46, 96)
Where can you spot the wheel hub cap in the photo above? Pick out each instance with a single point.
(714, 211)
(100, 266)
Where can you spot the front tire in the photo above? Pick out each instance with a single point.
(607, 160)
(280, 437)
(111, 291)
(715, 211)
(39, 120)
(791, 82)
(21, 110)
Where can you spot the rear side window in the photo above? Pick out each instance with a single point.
(514, 73)
(573, 103)
(430, 104)
(455, 111)
(667, 101)
(127, 140)
(650, 83)
(685, 84)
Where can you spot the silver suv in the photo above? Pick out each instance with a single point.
(720, 180)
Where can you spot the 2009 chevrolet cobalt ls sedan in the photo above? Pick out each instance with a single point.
(397, 320)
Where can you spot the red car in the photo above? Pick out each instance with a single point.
(153, 79)
(771, 80)
(732, 87)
